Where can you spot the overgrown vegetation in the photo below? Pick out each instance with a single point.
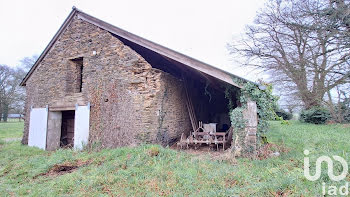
(265, 101)
(152, 170)
(266, 105)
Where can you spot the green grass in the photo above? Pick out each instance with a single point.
(134, 172)
(12, 129)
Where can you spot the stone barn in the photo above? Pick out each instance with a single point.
(96, 84)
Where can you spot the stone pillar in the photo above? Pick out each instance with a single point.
(250, 114)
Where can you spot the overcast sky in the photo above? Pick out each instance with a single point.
(200, 29)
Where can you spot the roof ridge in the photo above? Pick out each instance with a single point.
(172, 54)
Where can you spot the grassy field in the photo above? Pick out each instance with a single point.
(136, 172)
(12, 129)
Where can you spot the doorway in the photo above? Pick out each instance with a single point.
(67, 129)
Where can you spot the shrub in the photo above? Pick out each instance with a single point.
(285, 115)
(315, 115)
(347, 117)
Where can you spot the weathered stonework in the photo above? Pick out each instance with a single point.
(250, 114)
(131, 102)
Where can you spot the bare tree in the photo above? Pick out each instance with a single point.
(12, 96)
(8, 89)
(290, 42)
(5, 74)
(28, 62)
(336, 17)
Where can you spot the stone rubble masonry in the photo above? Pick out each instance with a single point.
(250, 114)
(131, 102)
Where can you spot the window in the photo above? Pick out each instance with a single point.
(78, 70)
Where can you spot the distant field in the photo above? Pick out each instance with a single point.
(12, 129)
(140, 171)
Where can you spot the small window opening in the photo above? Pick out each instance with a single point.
(78, 71)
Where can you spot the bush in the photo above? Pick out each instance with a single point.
(347, 117)
(315, 115)
(285, 115)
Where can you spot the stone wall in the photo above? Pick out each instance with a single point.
(172, 111)
(131, 102)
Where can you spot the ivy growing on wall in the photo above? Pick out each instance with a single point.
(266, 103)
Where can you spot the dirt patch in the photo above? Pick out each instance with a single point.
(64, 168)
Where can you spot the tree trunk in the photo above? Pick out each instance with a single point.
(331, 106)
(5, 111)
(310, 98)
(0, 112)
(312, 101)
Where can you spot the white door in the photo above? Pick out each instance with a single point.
(81, 126)
(38, 127)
